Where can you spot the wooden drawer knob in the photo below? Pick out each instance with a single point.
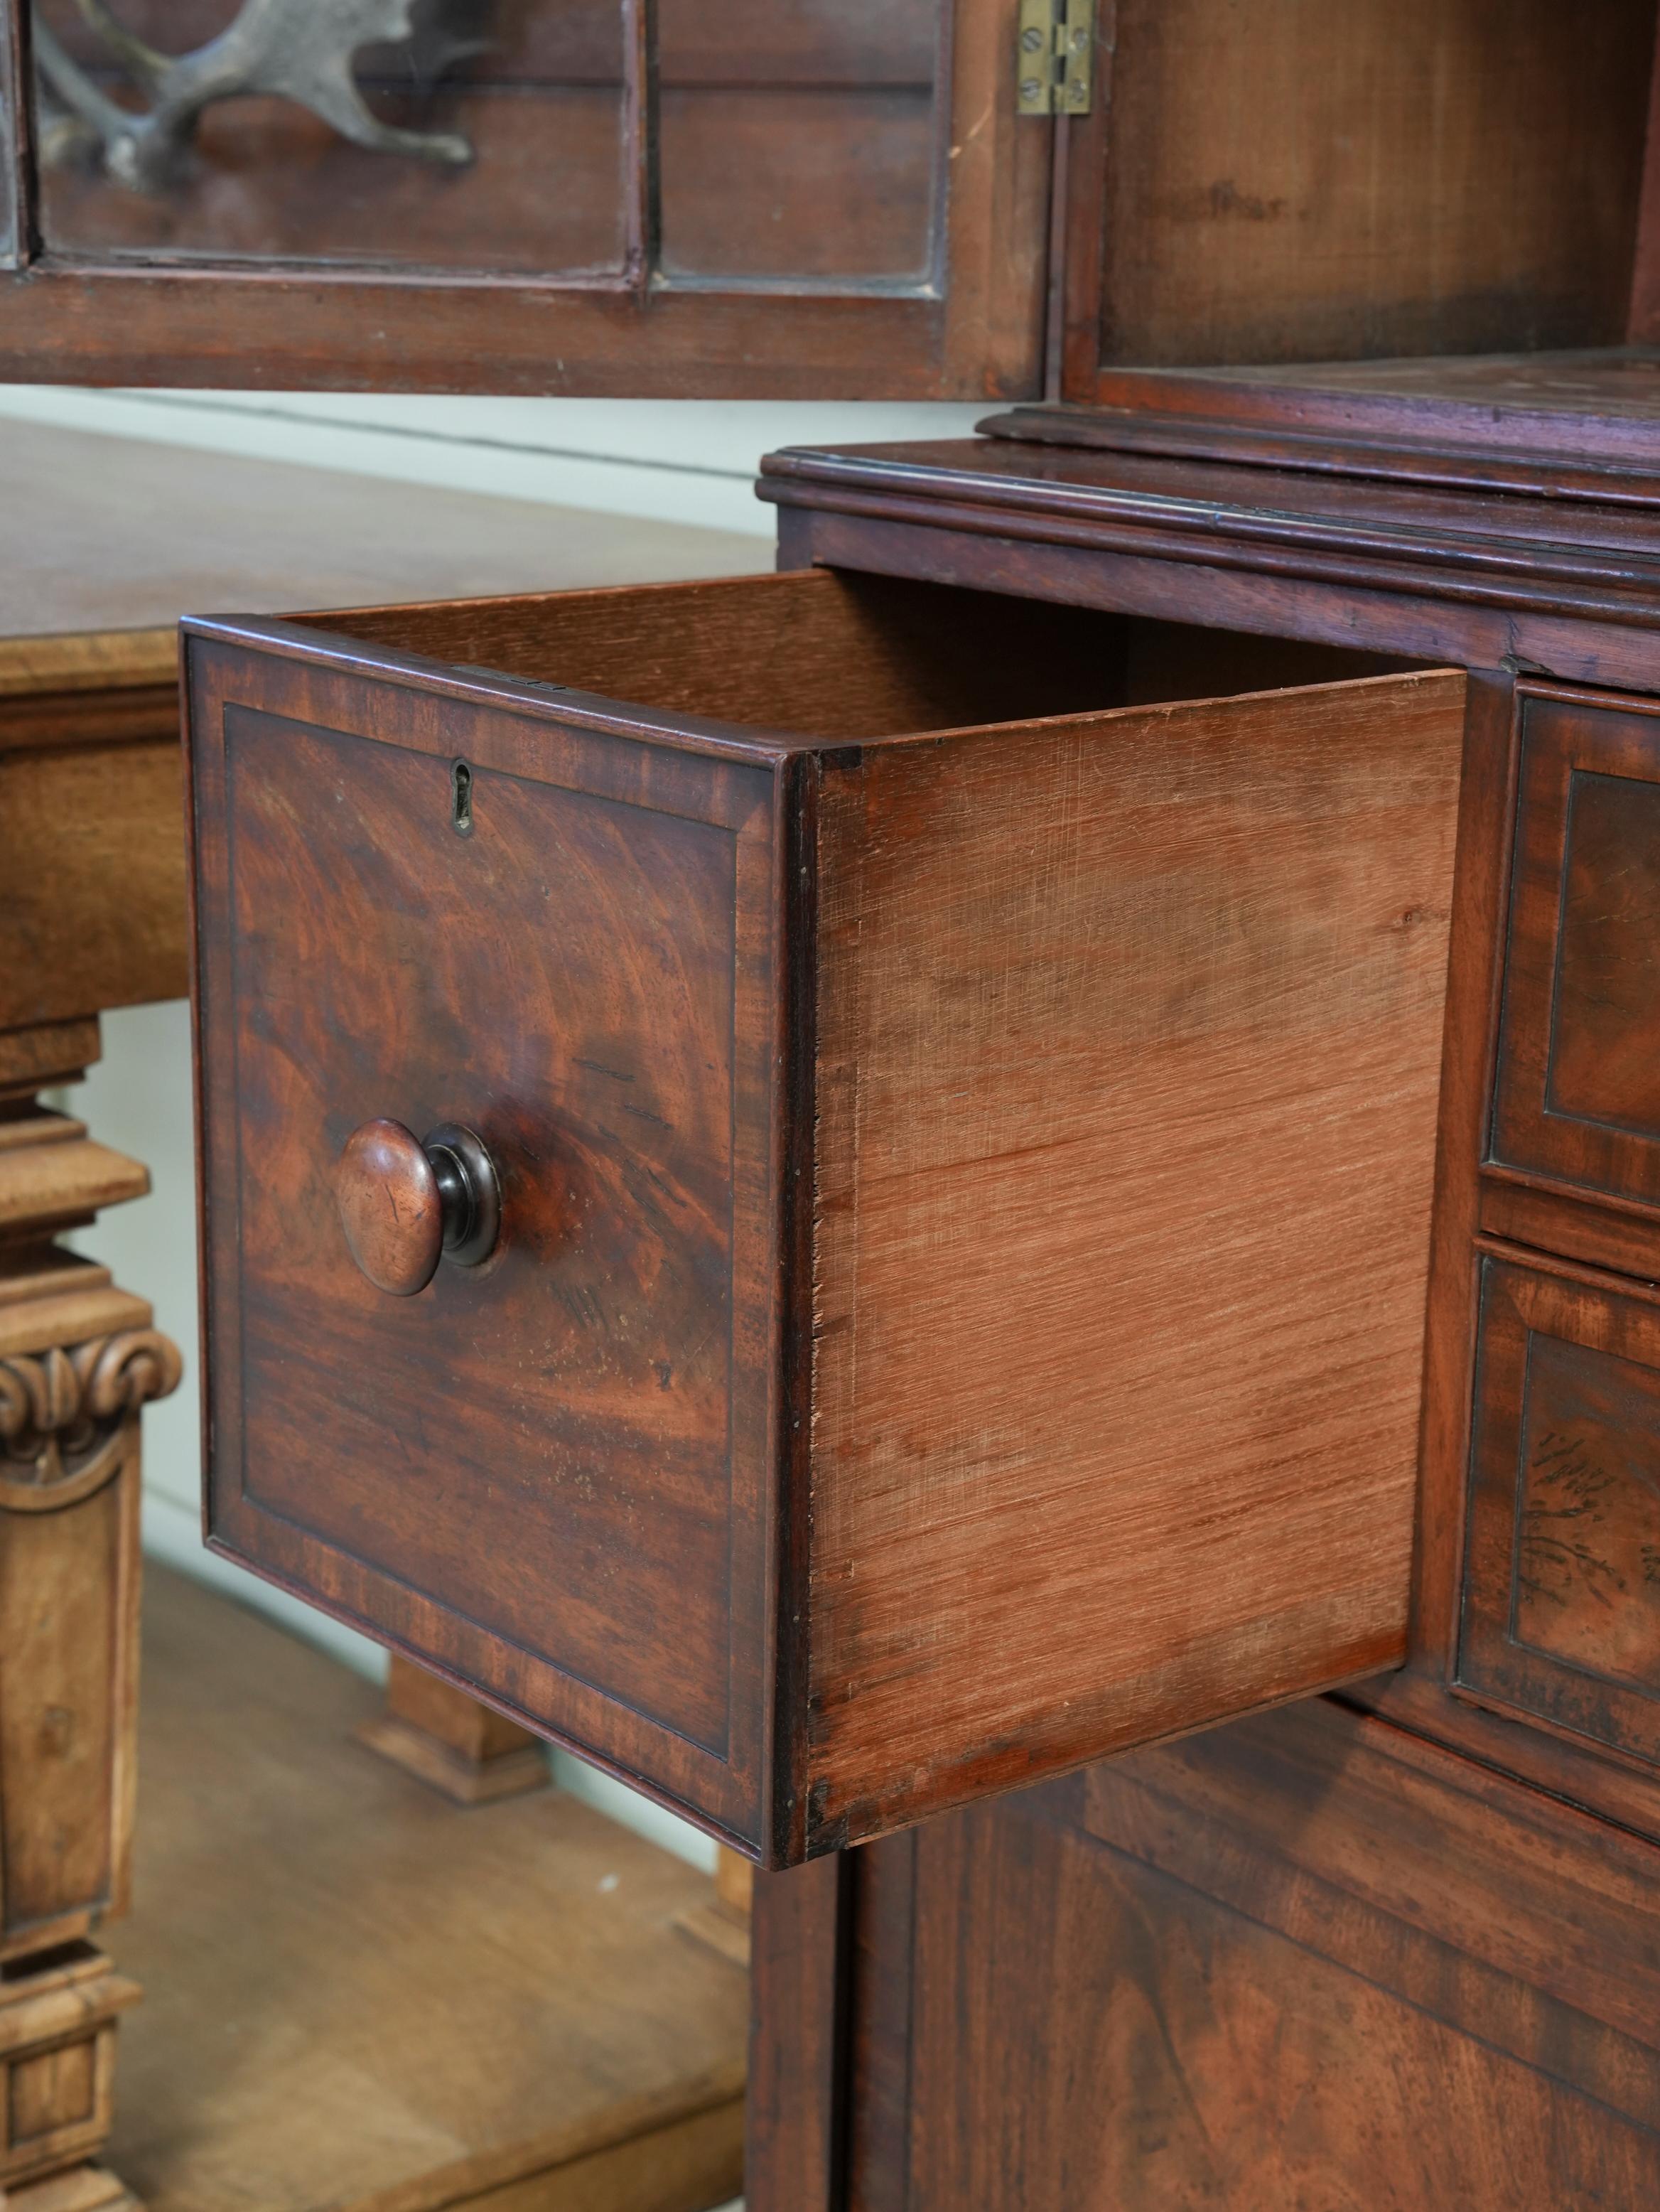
(405, 1204)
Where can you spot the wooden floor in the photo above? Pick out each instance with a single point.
(359, 1996)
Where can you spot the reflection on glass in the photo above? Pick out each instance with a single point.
(294, 49)
(798, 141)
(444, 134)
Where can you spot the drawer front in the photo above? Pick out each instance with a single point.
(1561, 1617)
(543, 1472)
(1577, 1100)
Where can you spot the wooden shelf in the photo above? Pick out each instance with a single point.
(1579, 424)
(358, 1995)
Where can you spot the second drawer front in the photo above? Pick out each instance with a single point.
(1579, 1091)
(1562, 1595)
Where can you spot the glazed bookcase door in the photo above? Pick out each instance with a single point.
(579, 196)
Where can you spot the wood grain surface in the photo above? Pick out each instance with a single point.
(59, 2016)
(587, 1524)
(1644, 323)
(1284, 181)
(53, 1175)
(544, 1475)
(1577, 1100)
(1129, 1057)
(1304, 1961)
(95, 908)
(797, 2064)
(77, 1359)
(1515, 422)
(68, 1600)
(804, 653)
(1524, 1210)
(1561, 1600)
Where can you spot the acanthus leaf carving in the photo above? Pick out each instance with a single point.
(63, 1413)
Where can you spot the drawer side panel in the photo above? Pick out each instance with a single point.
(1129, 1060)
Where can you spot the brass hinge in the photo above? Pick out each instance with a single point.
(1055, 57)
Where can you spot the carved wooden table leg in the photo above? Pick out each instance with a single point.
(78, 1358)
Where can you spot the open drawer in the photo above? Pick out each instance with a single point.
(845, 1234)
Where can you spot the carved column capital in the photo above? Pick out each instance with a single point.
(79, 1358)
(62, 1412)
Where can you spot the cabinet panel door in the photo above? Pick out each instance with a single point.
(824, 197)
(1304, 1961)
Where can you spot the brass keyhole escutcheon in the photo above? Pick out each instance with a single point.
(405, 1203)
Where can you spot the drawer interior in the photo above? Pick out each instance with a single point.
(824, 652)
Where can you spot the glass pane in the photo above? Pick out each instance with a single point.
(508, 151)
(799, 140)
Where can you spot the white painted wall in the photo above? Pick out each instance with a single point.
(689, 461)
